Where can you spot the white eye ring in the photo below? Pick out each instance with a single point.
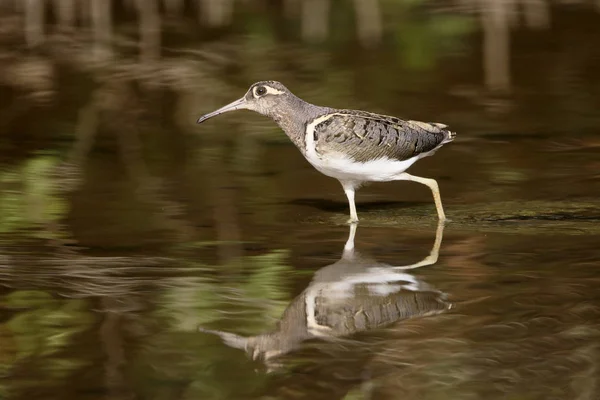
(260, 91)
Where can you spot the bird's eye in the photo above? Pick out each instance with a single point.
(261, 90)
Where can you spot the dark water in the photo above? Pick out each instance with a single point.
(124, 226)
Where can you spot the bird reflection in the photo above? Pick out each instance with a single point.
(355, 294)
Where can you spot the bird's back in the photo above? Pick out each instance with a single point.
(364, 136)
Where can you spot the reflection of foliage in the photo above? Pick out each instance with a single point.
(250, 299)
(423, 43)
(193, 366)
(28, 198)
(265, 284)
(423, 39)
(194, 302)
(40, 334)
(42, 328)
(47, 325)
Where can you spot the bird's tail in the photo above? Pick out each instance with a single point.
(450, 136)
(444, 128)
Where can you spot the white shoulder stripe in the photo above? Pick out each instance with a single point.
(309, 138)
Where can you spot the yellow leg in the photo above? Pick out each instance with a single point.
(432, 184)
(432, 258)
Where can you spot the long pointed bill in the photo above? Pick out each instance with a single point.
(230, 339)
(239, 104)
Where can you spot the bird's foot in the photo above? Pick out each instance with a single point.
(352, 221)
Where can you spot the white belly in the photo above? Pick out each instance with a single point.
(343, 168)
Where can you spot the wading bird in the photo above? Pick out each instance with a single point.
(350, 145)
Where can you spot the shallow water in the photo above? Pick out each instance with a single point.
(124, 227)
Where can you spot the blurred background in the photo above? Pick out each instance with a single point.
(124, 225)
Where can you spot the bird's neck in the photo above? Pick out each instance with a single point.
(293, 116)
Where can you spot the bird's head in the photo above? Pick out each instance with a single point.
(265, 97)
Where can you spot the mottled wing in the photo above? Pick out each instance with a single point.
(364, 136)
(365, 311)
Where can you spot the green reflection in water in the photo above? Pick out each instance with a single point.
(249, 292)
(42, 329)
(29, 198)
